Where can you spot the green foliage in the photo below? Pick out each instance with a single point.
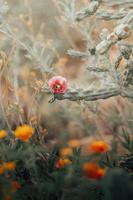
(127, 142)
(40, 179)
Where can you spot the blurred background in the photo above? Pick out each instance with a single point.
(39, 27)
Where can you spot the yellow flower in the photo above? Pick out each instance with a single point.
(67, 151)
(62, 162)
(9, 166)
(24, 132)
(3, 134)
(75, 143)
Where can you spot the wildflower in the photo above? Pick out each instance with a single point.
(74, 143)
(3, 134)
(67, 151)
(15, 186)
(62, 162)
(1, 169)
(98, 147)
(7, 198)
(58, 84)
(9, 166)
(24, 132)
(93, 170)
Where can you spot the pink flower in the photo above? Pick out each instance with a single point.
(58, 84)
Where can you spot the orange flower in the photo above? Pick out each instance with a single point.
(7, 198)
(75, 143)
(67, 151)
(1, 169)
(93, 171)
(3, 134)
(98, 147)
(9, 166)
(15, 186)
(24, 132)
(62, 162)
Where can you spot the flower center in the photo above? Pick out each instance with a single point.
(57, 86)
